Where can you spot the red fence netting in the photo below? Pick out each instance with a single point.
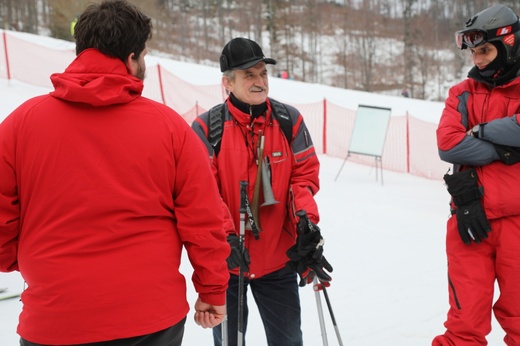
(410, 144)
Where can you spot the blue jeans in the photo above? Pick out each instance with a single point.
(278, 301)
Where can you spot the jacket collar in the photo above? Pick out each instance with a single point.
(254, 110)
(241, 112)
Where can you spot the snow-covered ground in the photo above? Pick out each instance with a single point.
(386, 243)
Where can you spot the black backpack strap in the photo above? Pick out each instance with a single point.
(283, 116)
(215, 126)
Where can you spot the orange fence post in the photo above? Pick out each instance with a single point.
(6, 57)
(407, 142)
(324, 126)
(161, 86)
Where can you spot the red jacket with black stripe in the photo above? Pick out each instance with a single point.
(496, 109)
(294, 169)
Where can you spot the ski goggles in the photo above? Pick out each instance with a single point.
(470, 39)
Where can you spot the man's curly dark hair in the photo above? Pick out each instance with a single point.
(116, 28)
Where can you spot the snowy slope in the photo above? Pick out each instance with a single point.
(386, 243)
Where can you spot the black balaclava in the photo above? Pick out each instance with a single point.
(255, 111)
(498, 66)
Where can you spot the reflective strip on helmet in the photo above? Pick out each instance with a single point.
(509, 40)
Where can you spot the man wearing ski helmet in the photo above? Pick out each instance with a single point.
(479, 134)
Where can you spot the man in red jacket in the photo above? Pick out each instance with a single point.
(266, 144)
(479, 133)
(100, 190)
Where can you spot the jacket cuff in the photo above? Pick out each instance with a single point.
(213, 298)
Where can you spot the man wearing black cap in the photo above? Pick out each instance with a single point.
(261, 141)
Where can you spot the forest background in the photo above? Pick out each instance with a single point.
(382, 46)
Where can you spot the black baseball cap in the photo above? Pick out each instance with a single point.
(242, 53)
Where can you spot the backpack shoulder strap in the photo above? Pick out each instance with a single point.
(283, 115)
(215, 125)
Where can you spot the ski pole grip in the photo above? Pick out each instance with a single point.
(304, 220)
(243, 196)
(301, 214)
(304, 224)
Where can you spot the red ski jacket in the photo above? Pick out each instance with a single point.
(100, 189)
(473, 102)
(294, 170)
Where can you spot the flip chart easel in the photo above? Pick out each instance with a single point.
(369, 135)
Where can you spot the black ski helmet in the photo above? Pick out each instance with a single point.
(497, 23)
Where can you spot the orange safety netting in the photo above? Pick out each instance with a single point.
(410, 144)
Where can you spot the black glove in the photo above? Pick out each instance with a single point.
(508, 155)
(471, 218)
(307, 271)
(306, 256)
(237, 258)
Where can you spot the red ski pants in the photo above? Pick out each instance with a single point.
(472, 271)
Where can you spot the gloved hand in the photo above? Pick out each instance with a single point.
(471, 218)
(307, 271)
(508, 155)
(306, 256)
(236, 257)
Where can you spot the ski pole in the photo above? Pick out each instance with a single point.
(10, 296)
(327, 300)
(224, 329)
(316, 286)
(242, 211)
(320, 311)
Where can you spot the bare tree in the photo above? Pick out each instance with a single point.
(366, 46)
(337, 42)
(341, 33)
(409, 61)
